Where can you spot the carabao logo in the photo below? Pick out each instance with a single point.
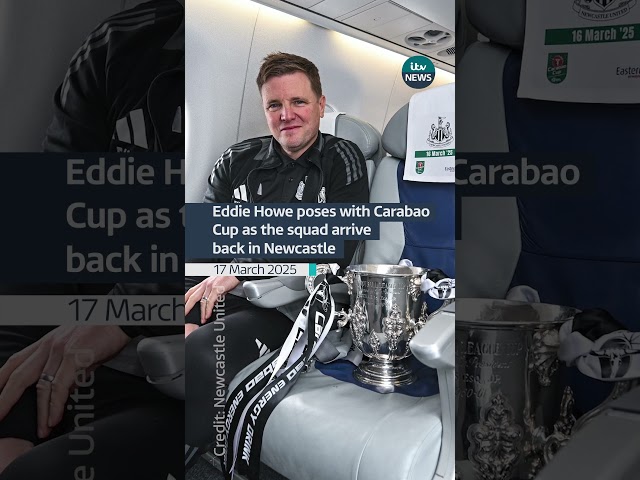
(557, 67)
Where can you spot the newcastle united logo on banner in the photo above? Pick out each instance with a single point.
(440, 136)
(600, 10)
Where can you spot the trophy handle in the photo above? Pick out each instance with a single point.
(415, 288)
(342, 318)
(562, 428)
(423, 318)
(348, 279)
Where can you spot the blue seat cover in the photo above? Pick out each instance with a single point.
(430, 244)
(581, 250)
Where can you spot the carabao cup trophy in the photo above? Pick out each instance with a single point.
(513, 411)
(386, 312)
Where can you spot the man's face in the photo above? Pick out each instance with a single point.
(293, 112)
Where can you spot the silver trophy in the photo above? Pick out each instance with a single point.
(386, 312)
(513, 411)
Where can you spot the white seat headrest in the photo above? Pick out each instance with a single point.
(361, 133)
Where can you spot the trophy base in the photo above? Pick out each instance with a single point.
(384, 373)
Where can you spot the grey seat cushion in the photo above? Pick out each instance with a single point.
(325, 429)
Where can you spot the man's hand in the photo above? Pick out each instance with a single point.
(54, 363)
(208, 292)
(189, 328)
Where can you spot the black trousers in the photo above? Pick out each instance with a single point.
(238, 334)
(120, 427)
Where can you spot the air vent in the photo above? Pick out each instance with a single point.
(429, 39)
(448, 52)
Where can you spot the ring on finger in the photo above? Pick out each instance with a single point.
(47, 378)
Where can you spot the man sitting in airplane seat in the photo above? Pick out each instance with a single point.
(296, 164)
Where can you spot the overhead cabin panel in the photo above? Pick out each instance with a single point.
(307, 3)
(404, 26)
(400, 26)
(337, 8)
(376, 16)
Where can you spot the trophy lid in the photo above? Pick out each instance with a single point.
(493, 313)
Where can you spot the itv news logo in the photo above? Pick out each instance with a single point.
(418, 72)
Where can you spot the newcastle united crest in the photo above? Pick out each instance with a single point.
(441, 135)
(599, 10)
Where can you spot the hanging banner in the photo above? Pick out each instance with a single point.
(431, 146)
(250, 404)
(582, 51)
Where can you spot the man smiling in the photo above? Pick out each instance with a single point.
(296, 163)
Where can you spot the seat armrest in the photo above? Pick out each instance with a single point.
(275, 292)
(434, 345)
(162, 359)
(584, 455)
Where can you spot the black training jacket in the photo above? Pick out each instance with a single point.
(124, 88)
(339, 175)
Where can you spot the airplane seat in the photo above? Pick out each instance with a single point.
(544, 241)
(365, 136)
(361, 133)
(162, 359)
(500, 121)
(489, 240)
(429, 244)
(330, 429)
